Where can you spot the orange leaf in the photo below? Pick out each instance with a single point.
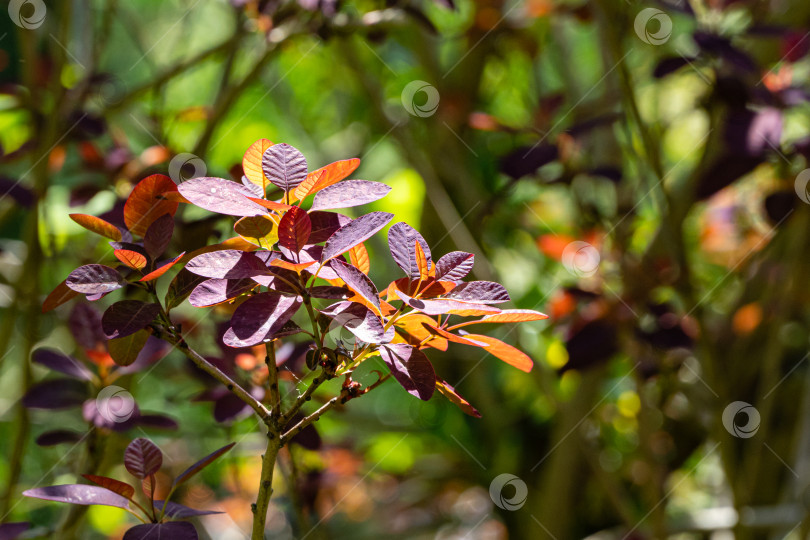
(291, 266)
(61, 294)
(412, 324)
(433, 329)
(270, 205)
(507, 353)
(252, 162)
(175, 196)
(450, 393)
(507, 316)
(133, 259)
(359, 257)
(145, 204)
(421, 262)
(325, 177)
(98, 226)
(162, 270)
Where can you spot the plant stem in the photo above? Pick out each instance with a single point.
(272, 381)
(265, 485)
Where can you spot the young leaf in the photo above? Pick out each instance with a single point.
(227, 264)
(324, 225)
(79, 494)
(507, 353)
(216, 291)
(142, 458)
(258, 230)
(252, 163)
(349, 193)
(220, 196)
(62, 363)
(325, 177)
(450, 393)
(401, 242)
(116, 486)
(358, 282)
(125, 350)
(360, 259)
(422, 264)
(158, 235)
(94, 279)
(454, 266)
(145, 204)
(360, 321)
(60, 295)
(200, 465)
(482, 292)
(162, 269)
(126, 317)
(507, 316)
(132, 259)
(176, 530)
(411, 368)
(284, 166)
(294, 230)
(259, 317)
(353, 233)
(97, 225)
(55, 394)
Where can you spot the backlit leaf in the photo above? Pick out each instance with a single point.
(178, 511)
(450, 393)
(284, 166)
(125, 350)
(132, 259)
(200, 465)
(97, 225)
(507, 316)
(60, 295)
(412, 327)
(360, 259)
(411, 368)
(325, 177)
(116, 486)
(422, 264)
(142, 458)
(94, 279)
(349, 193)
(482, 292)
(271, 205)
(162, 269)
(145, 204)
(216, 291)
(454, 266)
(259, 317)
(258, 230)
(126, 317)
(401, 242)
(507, 353)
(252, 163)
(79, 494)
(220, 196)
(433, 329)
(294, 230)
(227, 264)
(158, 235)
(353, 233)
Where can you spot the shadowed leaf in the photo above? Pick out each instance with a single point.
(58, 436)
(60, 295)
(174, 530)
(94, 279)
(62, 363)
(116, 486)
(181, 287)
(12, 531)
(216, 291)
(360, 321)
(200, 465)
(126, 317)
(55, 394)
(125, 350)
(450, 393)
(142, 458)
(259, 317)
(324, 225)
(411, 368)
(179, 511)
(162, 269)
(158, 235)
(358, 282)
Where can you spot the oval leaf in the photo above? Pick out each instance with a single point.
(402, 239)
(360, 321)
(145, 204)
(349, 193)
(259, 317)
(216, 291)
(142, 458)
(284, 166)
(60, 295)
(258, 230)
(125, 350)
(441, 307)
(220, 196)
(358, 282)
(482, 292)
(353, 233)
(55, 394)
(132, 259)
(324, 225)
(454, 266)
(57, 436)
(508, 316)
(97, 225)
(227, 264)
(360, 259)
(411, 368)
(79, 494)
(252, 163)
(158, 235)
(94, 279)
(325, 177)
(126, 317)
(507, 353)
(294, 230)
(174, 530)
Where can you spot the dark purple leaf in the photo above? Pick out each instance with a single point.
(227, 264)
(779, 205)
(217, 291)
(125, 350)
(402, 240)
(307, 437)
(284, 165)
(454, 266)
(360, 321)
(353, 233)
(752, 133)
(526, 160)
(330, 292)
(55, 394)
(157, 421)
(181, 287)
(173, 530)
(440, 307)
(259, 317)
(12, 531)
(62, 363)
(726, 169)
(142, 458)
(293, 231)
(126, 317)
(591, 345)
(58, 436)
(79, 494)
(158, 235)
(94, 279)
(481, 292)
(411, 368)
(85, 325)
(178, 511)
(349, 193)
(230, 407)
(357, 281)
(220, 196)
(200, 465)
(722, 47)
(324, 225)
(670, 65)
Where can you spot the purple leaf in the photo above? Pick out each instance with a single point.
(227, 263)
(220, 196)
(324, 225)
(259, 317)
(217, 291)
(330, 292)
(200, 465)
(454, 266)
(94, 279)
(284, 165)
(85, 325)
(526, 160)
(307, 437)
(181, 287)
(142, 458)
(174, 530)
(294, 230)
(411, 368)
(353, 233)
(482, 292)
(55, 394)
(58, 436)
(440, 307)
(257, 190)
(229, 407)
(62, 363)
(157, 421)
(402, 240)
(357, 281)
(79, 494)
(158, 235)
(360, 321)
(126, 317)
(179, 511)
(12, 531)
(349, 193)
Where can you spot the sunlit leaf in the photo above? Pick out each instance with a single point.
(284, 166)
(325, 177)
(79, 494)
(348, 194)
(353, 233)
(507, 316)
(94, 279)
(162, 269)
(116, 486)
(227, 264)
(482, 292)
(142, 458)
(441, 306)
(294, 230)
(360, 321)
(252, 163)
(402, 239)
(259, 317)
(132, 259)
(221, 196)
(450, 393)
(360, 259)
(216, 291)
(97, 225)
(454, 266)
(433, 329)
(271, 205)
(258, 230)
(422, 264)
(145, 204)
(412, 326)
(358, 282)
(411, 368)
(507, 353)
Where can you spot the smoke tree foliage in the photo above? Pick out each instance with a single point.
(295, 269)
